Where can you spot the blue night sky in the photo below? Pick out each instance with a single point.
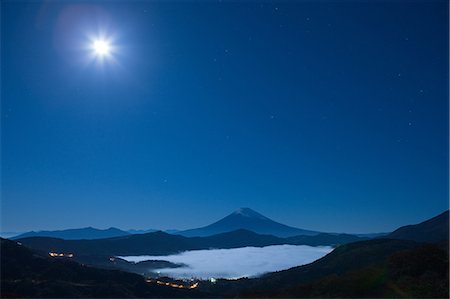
(330, 116)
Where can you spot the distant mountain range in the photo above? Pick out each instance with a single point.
(140, 231)
(243, 218)
(248, 220)
(160, 243)
(87, 233)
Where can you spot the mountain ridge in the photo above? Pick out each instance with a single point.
(246, 218)
(161, 243)
(432, 230)
(87, 233)
(242, 218)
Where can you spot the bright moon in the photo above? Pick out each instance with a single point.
(101, 47)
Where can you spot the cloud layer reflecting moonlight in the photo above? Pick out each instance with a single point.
(237, 262)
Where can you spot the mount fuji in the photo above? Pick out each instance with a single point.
(246, 218)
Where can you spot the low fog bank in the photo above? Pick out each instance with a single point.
(237, 262)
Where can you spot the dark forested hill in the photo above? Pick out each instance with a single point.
(25, 273)
(369, 269)
(433, 230)
(325, 239)
(418, 272)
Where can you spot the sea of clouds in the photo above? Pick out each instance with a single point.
(236, 262)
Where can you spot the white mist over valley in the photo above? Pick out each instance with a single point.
(236, 262)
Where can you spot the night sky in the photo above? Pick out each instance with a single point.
(330, 116)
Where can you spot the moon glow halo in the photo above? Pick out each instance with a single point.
(101, 48)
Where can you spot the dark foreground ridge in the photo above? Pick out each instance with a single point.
(433, 230)
(371, 269)
(27, 273)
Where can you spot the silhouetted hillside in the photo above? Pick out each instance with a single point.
(370, 269)
(29, 274)
(325, 239)
(157, 243)
(238, 238)
(433, 230)
(345, 258)
(420, 272)
(147, 268)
